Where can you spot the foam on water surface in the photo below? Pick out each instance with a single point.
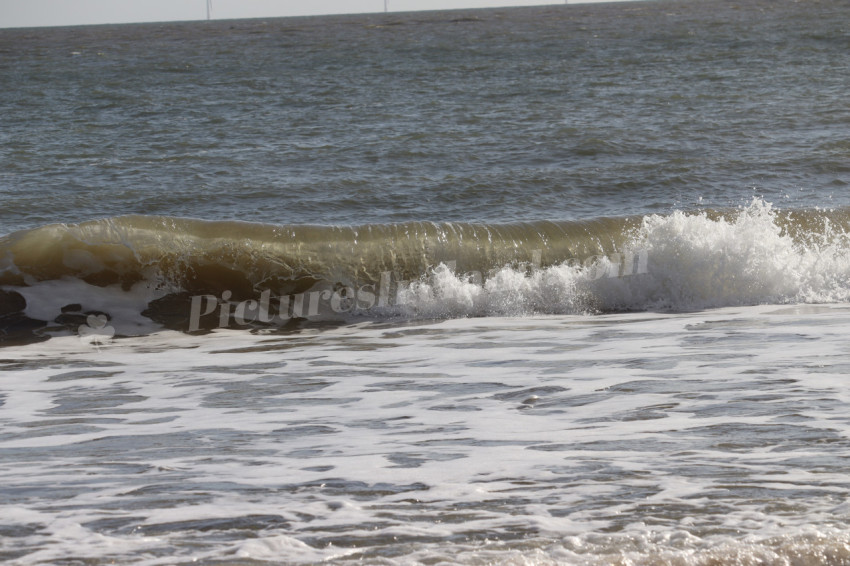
(541, 163)
(188, 276)
(644, 438)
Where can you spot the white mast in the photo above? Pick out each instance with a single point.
(209, 8)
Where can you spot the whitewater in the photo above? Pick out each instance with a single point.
(563, 284)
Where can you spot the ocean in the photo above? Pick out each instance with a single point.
(566, 284)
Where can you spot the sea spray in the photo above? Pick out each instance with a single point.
(148, 272)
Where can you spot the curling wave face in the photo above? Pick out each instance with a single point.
(145, 272)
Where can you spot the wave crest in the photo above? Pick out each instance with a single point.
(249, 274)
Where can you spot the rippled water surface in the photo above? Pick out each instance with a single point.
(590, 261)
(556, 112)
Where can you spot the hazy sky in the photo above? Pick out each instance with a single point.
(20, 13)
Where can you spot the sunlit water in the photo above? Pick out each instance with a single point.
(613, 240)
(634, 438)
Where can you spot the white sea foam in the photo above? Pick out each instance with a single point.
(693, 261)
(639, 438)
(45, 300)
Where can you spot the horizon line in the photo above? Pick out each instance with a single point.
(203, 18)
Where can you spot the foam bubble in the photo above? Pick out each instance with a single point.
(693, 261)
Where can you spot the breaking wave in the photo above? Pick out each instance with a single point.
(143, 273)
